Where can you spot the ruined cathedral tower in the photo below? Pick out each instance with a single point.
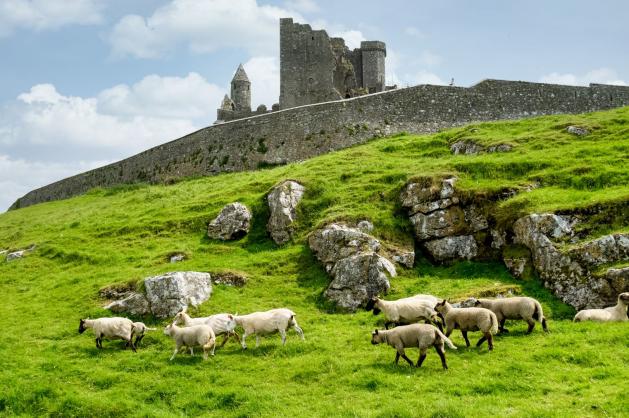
(241, 90)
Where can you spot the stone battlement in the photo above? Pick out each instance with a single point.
(306, 131)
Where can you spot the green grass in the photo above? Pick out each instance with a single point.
(126, 233)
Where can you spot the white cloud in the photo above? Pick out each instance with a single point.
(305, 6)
(353, 38)
(599, 75)
(414, 32)
(203, 26)
(430, 59)
(264, 74)
(68, 134)
(47, 14)
(408, 78)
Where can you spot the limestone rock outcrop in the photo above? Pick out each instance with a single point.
(229, 278)
(166, 294)
(283, 201)
(577, 130)
(15, 255)
(233, 222)
(468, 147)
(462, 247)
(133, 304)
(169, 293)
(570, 274)
(353, 260)
(449, 226)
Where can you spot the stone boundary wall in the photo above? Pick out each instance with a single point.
(303, 132)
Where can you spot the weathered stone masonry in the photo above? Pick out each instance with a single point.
(303, 132)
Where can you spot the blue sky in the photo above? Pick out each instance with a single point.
(87, 82)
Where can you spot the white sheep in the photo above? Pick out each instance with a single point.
(139, 328)
(111, 328)
(194, 336)
(404, 311)
(613, 313)
(222, 324)
(518, 307)
(422, 336)
(469, 319)
(268, 322)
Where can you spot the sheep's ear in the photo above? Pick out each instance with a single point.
(375, 331)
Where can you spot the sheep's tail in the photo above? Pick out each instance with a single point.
(538, 315)
(494, 323)
(445, 339)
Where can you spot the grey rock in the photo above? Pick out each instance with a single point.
(606, 249)
(404, 258)
(233, 222)
(498, 239)
(499, 148)
(283, 201)
(15, 255)
(175, 258)
(577, 130)
(461, 247)
(618, 279)
(358, 278)
(425, 196)
(133, 304)
(229, 278)
(568, 275)
(336, 242)
(465, 147)
(440, 223)
(365, 226)
(475, 218)
(169, 293)
(517, 265)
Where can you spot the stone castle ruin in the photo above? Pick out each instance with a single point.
(314, 68)
(330, 98)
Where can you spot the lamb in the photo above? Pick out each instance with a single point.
(519, 307)
(613, 313)
(422, 336)
(196, 335)
(403, 311)
(139, 328)
(469, 319)
(111, 328)
(222, 324)
(268, 322)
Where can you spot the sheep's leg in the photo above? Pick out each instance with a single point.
(501, 327)
(397, 357)
(482, 339)
(464, 333)
(257, 340)
(387, 323)
(442, 355)
(243, 343)
(177, 348)
(403, 354)
(298, 330)
(283, 335)
(545, 326)
(422, 357)
(138, 339)
(531, 326)
(490, 341)
(191, 351)
(225, 338)
(130, 342)
(97, 343)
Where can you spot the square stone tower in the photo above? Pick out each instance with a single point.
(315, 68)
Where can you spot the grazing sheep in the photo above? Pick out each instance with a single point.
(613, 313)
(519, 307)
(111, 328)
(222, 324)
(422, 336)
(269, 322)
(469, 319)
(139, 328)
(403, 311)
(194, 336)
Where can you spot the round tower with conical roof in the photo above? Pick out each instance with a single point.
(241, 90)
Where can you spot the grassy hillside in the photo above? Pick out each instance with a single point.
(126, 233)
